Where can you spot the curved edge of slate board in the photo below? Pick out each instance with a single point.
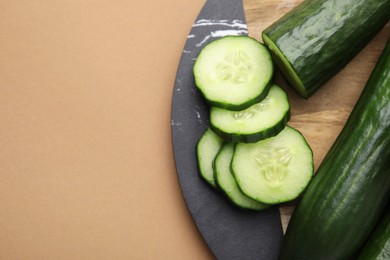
(230, 232)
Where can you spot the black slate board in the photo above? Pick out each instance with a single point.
(230, 232)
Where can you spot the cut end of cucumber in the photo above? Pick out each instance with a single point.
(285, 67)
(274, 170)
(234, 72)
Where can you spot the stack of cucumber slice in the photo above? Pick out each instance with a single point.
(248, 152)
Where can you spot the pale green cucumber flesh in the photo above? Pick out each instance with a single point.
(206, 150)
(233, 72)
(228, 184)
(274, 170)
(260, 121)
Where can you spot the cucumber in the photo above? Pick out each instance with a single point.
(316, 39)
(227, 183)
(260, 121)
(274, 170)
(344, 200)
(206, 150)
(378, 245)
(233, 72)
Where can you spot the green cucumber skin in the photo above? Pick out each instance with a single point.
(344, 201)
(252, 138)
(378, 245)
(244, 105)
(319, 37)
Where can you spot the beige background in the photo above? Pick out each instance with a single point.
(86, 165)
(86, 161)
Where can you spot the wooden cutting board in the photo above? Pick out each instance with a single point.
(322, 116)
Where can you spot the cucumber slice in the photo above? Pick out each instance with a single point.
(206, 150)
(234, 72)
(226, 182)
(274, 170)
(260, 121)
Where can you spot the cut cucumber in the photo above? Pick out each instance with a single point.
(226, 182)
(206, 150)
(274, 170)
(318, 38)
(260, 121)
(234, 72)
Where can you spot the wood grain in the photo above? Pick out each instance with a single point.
(322, 116)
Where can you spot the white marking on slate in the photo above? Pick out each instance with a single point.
(221, 33)
(238, 28)
(175, 124)
(234, 23)
(199, 117)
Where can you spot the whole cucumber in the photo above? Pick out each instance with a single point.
(344, 201)
(378, 245)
